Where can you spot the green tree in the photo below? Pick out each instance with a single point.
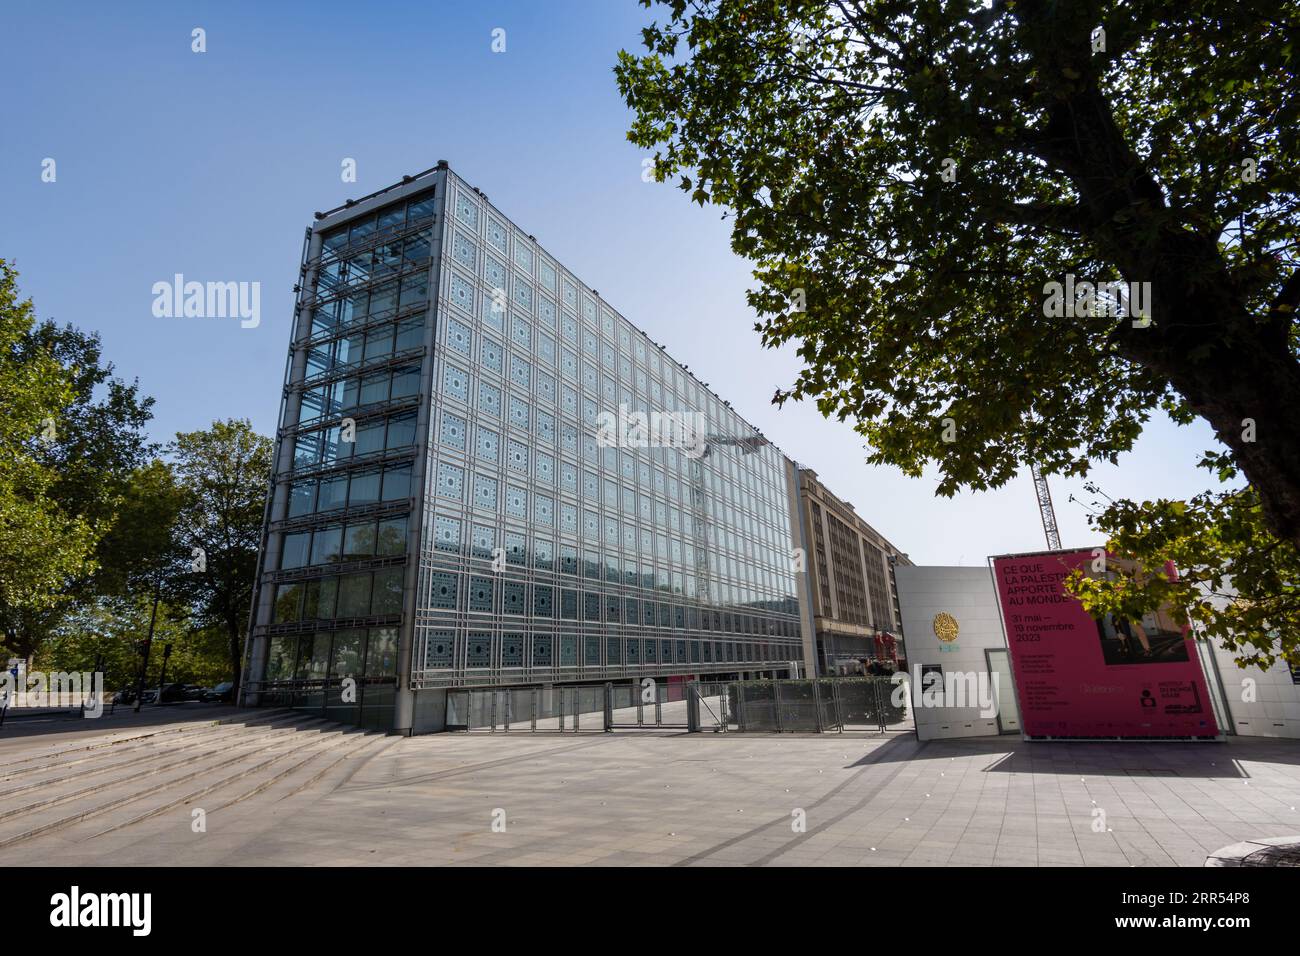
(142, 596)
(107, 632)
(141, 546)
(911, 179)
(43, 543)
(112, 632)
(148, 563)
(224, 474)
(73, 437)
(1235, 582)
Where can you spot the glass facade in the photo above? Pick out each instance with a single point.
(332, 593)
(460, 383)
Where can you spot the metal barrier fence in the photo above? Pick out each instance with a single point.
(569, 708)
(818, 705)
(822, 705)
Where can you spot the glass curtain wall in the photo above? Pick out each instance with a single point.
(338, 600)
(557, 543)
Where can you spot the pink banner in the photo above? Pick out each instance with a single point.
(1077, 676)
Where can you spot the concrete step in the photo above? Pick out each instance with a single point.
(128, 740)
(234, 785)
(70, 802)
(115, 760)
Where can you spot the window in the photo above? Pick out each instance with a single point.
(484, 540)
(517, 456)
(488, 445)
(520, 372)
(401, 432)
(320, 598)
(379, 343)
(446, 534)
(293, 552)
(516, 502)
(345, 661)
(542, 648)
(406, 381)
(519, 413)
(437, 649)
(365, 489)
(489, 353)
(455, 382)
(391, 537)
(381, 652)
(327, 545)
(512, 650)
(462, 293)
(443, 590)
(354, 595)
(512, 595)
(451, 481)
(369, 438)
(485, 492)
(466, 211)
(410, 334)
(359, 543)
(480, 593)
(387, 592)
(489, 399)
(392, 216)
(397, 482)
(333, 493)
(453, 431)
(302, 498)
(288, 598)
(458, 337)
(420, 207)
(415, 289)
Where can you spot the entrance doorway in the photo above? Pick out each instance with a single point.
(999, 663)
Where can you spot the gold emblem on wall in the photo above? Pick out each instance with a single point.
(945, 627)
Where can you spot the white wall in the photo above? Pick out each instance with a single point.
(1275, 710)
(967, 594)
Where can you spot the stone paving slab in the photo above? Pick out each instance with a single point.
(657, 799)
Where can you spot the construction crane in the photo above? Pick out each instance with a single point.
(746, 445)
(1045, 510)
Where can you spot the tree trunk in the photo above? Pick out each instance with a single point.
(1250, 394)
(1232, 367)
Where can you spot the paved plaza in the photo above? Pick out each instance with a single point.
(283, 789)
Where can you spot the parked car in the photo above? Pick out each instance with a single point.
(223, 692)
(124, 696)
(171, 694)
(193, 692)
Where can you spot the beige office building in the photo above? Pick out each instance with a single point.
(851, 595)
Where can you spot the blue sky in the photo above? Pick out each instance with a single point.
(212, 164)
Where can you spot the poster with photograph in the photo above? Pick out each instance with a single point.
(1080, 676)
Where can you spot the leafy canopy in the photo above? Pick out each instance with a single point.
(908, 179)
(42, 542)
